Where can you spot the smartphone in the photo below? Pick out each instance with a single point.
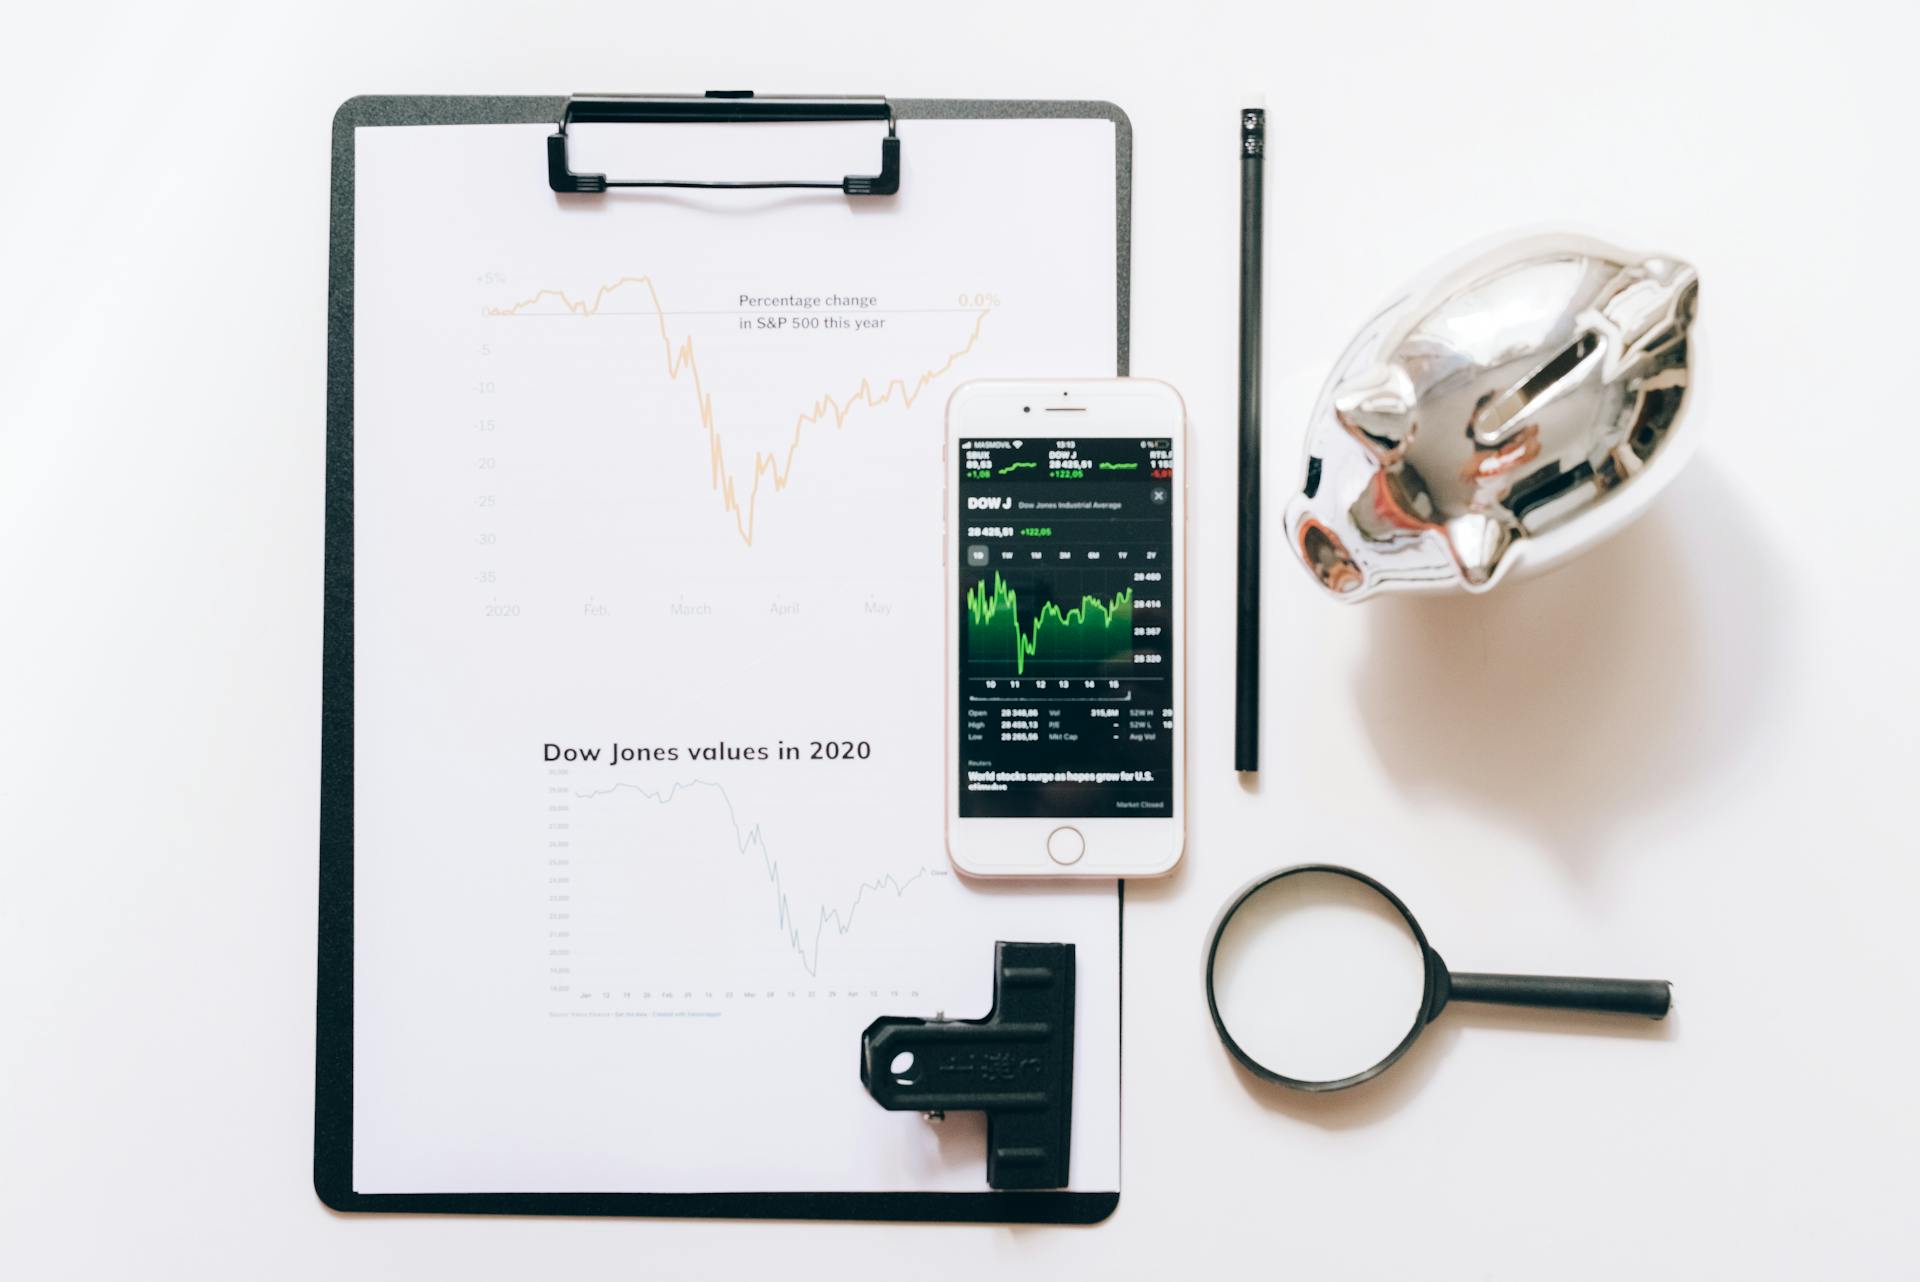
(1065, 561)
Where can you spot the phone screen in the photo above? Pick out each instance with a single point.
(1066, 621)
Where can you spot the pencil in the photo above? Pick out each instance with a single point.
(1246, 719)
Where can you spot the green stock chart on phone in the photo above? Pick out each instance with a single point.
(1066, 627)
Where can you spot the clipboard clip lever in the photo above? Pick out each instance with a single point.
(1015, 1064)
(723, 106)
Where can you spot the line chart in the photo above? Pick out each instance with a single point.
(775, 464)
(748, 837)
(995, 634)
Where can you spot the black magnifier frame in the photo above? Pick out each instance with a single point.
(1652, 998)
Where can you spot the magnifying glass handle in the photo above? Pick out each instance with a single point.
(1650, 997)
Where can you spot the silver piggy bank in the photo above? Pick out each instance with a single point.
(1509, 411)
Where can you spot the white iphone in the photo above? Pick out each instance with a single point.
(1065, 544)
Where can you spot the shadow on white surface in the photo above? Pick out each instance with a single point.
(1612, 685)
(1360, 1105)
(961, 1139)
(1386, 1094)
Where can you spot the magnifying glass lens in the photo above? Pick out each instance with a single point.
(1318, 977)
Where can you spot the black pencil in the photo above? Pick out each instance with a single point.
(1246, 719)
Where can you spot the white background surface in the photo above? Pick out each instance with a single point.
(1690, 755)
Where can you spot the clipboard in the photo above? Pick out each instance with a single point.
(335, 1097)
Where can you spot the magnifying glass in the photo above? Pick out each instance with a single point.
(1319, 978)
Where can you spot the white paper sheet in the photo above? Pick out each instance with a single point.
(614, 485)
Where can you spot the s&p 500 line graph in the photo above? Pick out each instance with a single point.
(1091, 633)
(739, 487)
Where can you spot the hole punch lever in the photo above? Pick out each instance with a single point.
(727, 106)
(1015, 1064)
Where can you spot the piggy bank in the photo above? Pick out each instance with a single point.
(1500, 416)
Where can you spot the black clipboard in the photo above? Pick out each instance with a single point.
(334, 1051)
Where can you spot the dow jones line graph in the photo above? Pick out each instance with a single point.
(1089, 633)
(803, 931)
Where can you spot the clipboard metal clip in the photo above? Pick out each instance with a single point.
(723, 106)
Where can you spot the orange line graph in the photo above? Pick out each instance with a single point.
(775, 464)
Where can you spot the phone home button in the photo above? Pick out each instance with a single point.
(1066, 845)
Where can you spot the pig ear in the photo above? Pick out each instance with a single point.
(1377, 408)
(1649, 309)
(1479, 542)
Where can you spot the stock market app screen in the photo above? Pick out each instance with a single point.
(1066, 627)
